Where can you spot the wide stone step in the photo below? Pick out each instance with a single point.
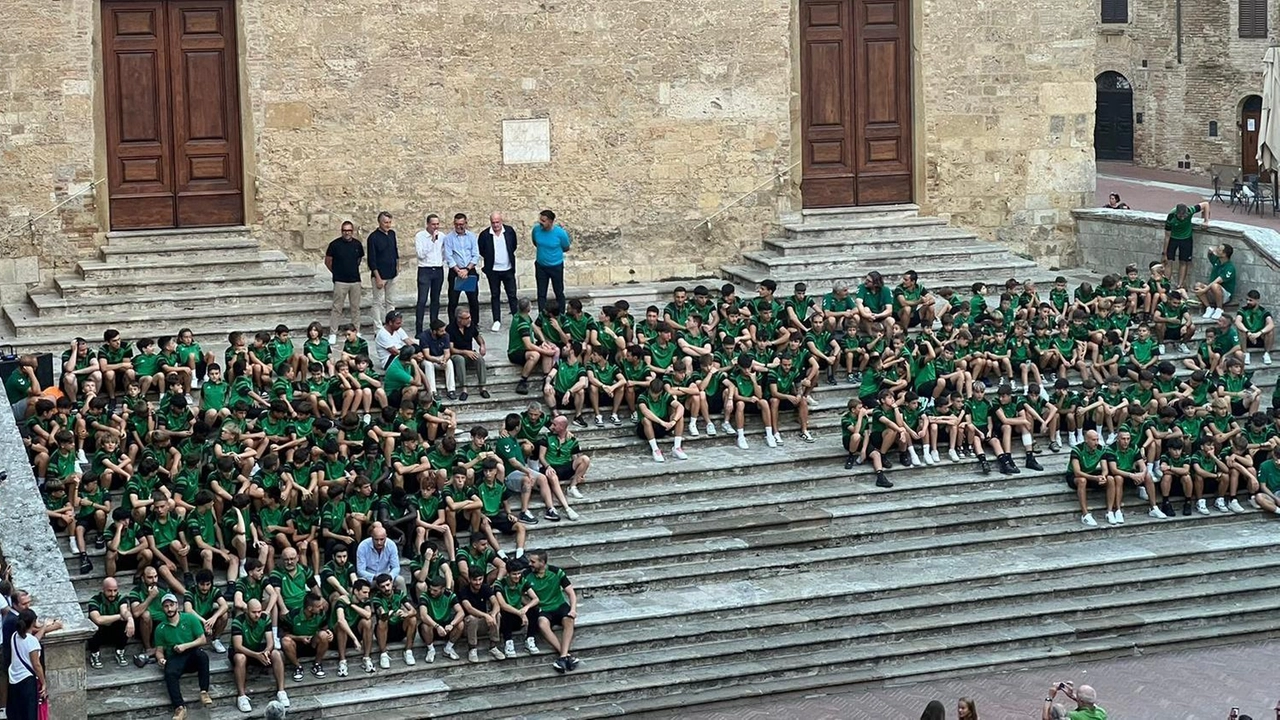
(859, 263)
(843, 227)
(934, 277)
(139, 250)
(210, 264)
(234, 287)
(171, 300)
(928, 238)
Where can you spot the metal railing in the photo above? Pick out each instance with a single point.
(31, 223)
(773, 177)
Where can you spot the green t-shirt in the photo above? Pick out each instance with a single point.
(1093, 713)
(1254, 318)
(250, 589)
(1090, 460)
(398, 377)
(1223, 270)
(521, 328)
(304, 625)
(508, 449)
(293, 588)
(1269, 475)
(168, 636)
(204, 603)
(512, 592)
(549, 588)
(560, 452)
(103, 606)
(875, 301)
(659, 405)
(146, 364)
(253, 635)
(1180, 229)
(441, 608)
(17, 386)
(491, 496)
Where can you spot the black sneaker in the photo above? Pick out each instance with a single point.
(1166, 507)
(463, 396)
(848, 462)
(560, 665)
(451, 395)
(527, 518)
(188, 580)
(317, 669)
(522, 387)
(95, 661)
(100, 542)
(831, 379)
(1032, 463)
(904, 459)
(86, 565)
(573, 662)
(984, 465)
(141, 660)
(882, 481)
(886, 462)
(1186, 507)
(298, 674)
(551, 515)
(579, 422)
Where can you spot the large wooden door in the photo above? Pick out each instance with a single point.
(855, 71)
(1250, 122)
(172, 113)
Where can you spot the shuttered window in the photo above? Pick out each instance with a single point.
(1117, 11)
(1253, 18)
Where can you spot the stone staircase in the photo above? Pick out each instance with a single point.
(774, 570)
(209, 279)
(823, 247)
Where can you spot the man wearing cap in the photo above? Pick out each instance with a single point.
(179, 641)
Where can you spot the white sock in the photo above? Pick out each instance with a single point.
(1027, 440)
(448, 646)
(1057, 437)
(678, 442)
(742, 432)
(693, 424)
(926, 448)
(768, 432)
(654, 444)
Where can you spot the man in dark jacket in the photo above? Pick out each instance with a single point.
(384, 262)
(499, 265)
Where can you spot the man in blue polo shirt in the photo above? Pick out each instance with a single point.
(551, 242)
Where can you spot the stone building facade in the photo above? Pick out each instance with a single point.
(1195, 73)
(658, 115)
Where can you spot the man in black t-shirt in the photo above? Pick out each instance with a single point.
(482, 613)
(467, 348)
(343, 260)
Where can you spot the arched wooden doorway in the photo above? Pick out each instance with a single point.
(1113, 129)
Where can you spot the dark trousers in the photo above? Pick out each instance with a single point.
(111, 635)
(553, 274)
(430, 280)
(24, 700)
(473, 298)
(179, 664)
(504, 280)
(508, 623)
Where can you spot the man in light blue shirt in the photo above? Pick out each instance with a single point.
(375, 555)
(462, 255)
(551, 242)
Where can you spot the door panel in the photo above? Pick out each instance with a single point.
(139, 136)
(856, 102)
(1251, 112)
(172, 113)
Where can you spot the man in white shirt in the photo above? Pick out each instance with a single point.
(391, 337)
(498, 248)
(429, 246)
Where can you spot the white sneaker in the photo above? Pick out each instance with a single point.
(342, 668)
(450, 653)
(384, 661)
(1088, 520)
(574, 492)
(80, 457)
(1202, 507)
(496, 326)
(367, 664)
(502, 554)
(1217, 313)
(777, 438)
(195, 383)
(1163, 349)
(1220, 505)
(1111, 439)
(1111, 518)
(1208, 313)
(1253, 503)
(509, 649)
(75, 546)
(497, 654)
(1235, 506)
(282, 697)
(1071, 439)
(711, 429)
(613, 418)
(409, 659)
(531, 646)
(1248, 358)
(771, 441)
(333, 338)
(742, 442)
(242, 703)
(599, 421)
(1184, 349)
(1119, 517)
(431, 654)
(955, 456)
(657, 455)
(813, 402)
(1266, 358)
(679, 455)
(1142, 493)
(1157, 513)
(936, 458)
(473, 656)
(573, 514)
(218, 647)
(727, 427)
(915, 457)
(693, 428)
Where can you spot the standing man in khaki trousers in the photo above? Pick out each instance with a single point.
(343, 260)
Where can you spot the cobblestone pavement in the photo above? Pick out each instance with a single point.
(1201, 684)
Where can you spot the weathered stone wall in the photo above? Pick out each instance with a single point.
(1179, 99)
(46, 138)
(1111, 239)
(28, 545)
(1008, 108)
(660, 115)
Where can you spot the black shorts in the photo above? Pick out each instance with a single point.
(58, 525)
(786, 405)
(1255, 344)
(715, 403)
(502, 523)
(556, 617)
(88, 523)
(659, 432)
(925, 389)
(563, 472)
(1172, 333)
(395, 629)
(516, 358)
(1178, 250)
(251, 666)
(1237, 407)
